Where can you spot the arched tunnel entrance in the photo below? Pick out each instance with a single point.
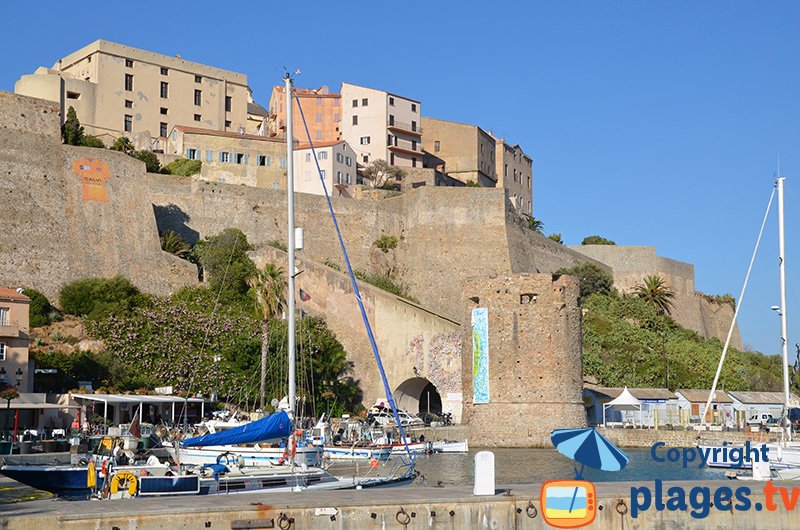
(417, 395)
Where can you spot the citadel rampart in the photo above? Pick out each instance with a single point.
(630, 264)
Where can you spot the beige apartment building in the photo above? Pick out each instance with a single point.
(380, 125)
(118, 90)
(231, 157)
(515, 173)
(337, 162)
(464, 152)
(14, 339)
(321, 108)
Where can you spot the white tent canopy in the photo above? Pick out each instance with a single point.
(624, 401)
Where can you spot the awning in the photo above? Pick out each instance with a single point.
(624, 401)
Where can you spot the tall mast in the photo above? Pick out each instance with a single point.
(290, 246)
(782, 268)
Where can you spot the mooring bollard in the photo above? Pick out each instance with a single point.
(484, 473)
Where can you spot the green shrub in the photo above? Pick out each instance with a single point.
(183, 167)
(97, 298)
(385, 282)
(280, 245)
(224, 257)
(556, 238)
(593, 279)
(472, 184)
(92, 141)
(386, 243)
(333, 265)
(596, 240)
(40, 308)
(150, 160)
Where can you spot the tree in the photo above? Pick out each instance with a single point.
(596, 240)
(655, 291)
(150, 160)
(269, 289)
(72, 130)
(96, 298)
(183, 167)
(224, 258)
(593, 279)
(379, 173)
(535, 224)
(123, 144)
(174, 244)
(40, 308)
(556, 238)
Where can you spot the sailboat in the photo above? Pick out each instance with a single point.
(784, 456)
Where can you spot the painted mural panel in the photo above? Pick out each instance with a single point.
(480, 355)
(93, 173)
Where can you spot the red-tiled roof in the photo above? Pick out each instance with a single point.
(12, 294)
(229, 134)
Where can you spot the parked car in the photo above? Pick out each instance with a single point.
(759, 419)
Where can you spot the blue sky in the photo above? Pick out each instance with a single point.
(650, 123)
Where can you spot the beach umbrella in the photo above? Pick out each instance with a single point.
(590, 448)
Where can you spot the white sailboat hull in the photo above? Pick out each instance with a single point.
(251, 455)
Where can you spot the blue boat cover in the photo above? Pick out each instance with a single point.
(273, 427)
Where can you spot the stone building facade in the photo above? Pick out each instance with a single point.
(14, 340)
(321, 108)
(515, 174)
(535, 364)
(466, 152)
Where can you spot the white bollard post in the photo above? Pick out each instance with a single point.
(484, 473)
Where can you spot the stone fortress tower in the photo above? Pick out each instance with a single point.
(534, 373)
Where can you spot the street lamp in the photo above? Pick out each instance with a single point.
(19, 376)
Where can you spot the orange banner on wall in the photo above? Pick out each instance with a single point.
(93, 173)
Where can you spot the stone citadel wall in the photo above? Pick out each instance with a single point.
(630, 264)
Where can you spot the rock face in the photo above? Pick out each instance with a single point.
(53, 230)
(535, 369)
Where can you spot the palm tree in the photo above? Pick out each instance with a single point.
(656, 293)
(535, 224)
(174, 244)
(269, 288)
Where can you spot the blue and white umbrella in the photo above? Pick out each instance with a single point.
(590, 448)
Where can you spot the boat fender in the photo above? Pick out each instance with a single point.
(104, 468)
(125, 479)
(373, 463)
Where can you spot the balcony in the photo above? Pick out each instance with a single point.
(405, 128)
(9, 328)
(406, 149)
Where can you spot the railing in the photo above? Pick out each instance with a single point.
(405, 126)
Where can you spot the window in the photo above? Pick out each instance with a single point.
(336, 116)
(437, 146)
(322, 173)
(224, 157)
(338, 177)
(365, 140)
(162, 130)
(197, 117)
(505, 171)
(198, 79)
(128, 126)
(319, 101)
(413, 162)
(228, 124)
(323, 155)
(3, 316)
(129, 82)
(164, 89)
(364, 102)
(282, 162)
(339, 157)
(129, 63)
(262, 160)
(209, 155)
(73, 95)
(391, 102)
(228, 101)
(164, 71)
(191, 154)
(347, 178)
(164, 111)
(308, 174)
(348, 161)
(3, 351)
(391, 119)
(318, 135)
(198, 96)
(355, 103)
(128, 104)
(365, 159)
(481, 148)
(413, 107)
(355, 120)
(308, 157)
(529, 183)
(388, 139)
(391, 159)
(174, 134)
(413, 145)
(413, 126)
(319, 116)
(240, 158)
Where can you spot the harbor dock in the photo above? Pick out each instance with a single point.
(512, 507)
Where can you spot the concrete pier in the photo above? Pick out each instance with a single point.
(514, 507)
